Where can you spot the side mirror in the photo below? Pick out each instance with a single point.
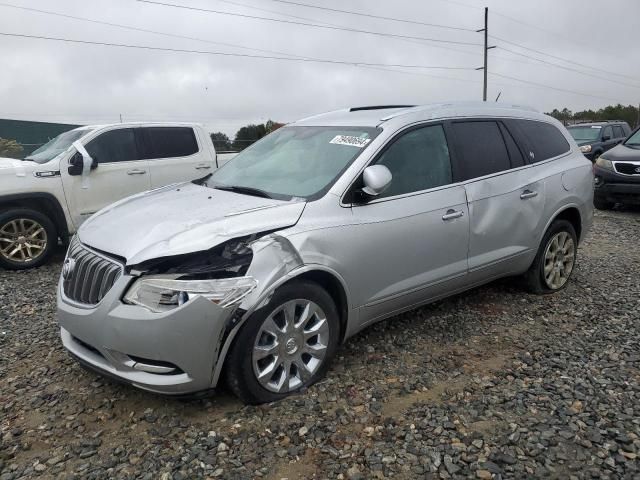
(76, 164)
(376, 179)
(606, 138)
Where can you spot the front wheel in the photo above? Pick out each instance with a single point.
(27, 239)
(554, 262)
(285, 346)
(601, 204)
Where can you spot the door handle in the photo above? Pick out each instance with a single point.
(135, 171)
(452, 214)
(528, 194)
(203, 166)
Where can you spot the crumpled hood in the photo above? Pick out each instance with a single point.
(180, 219)
(622, 153)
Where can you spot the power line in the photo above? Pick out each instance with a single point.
(380, 17)
(245, 5)
(563, 67)
(138, 29)
(186, 37)
(314, 25)
(275, 12)
(229, 54)
(545, 30)
(515, 20)
(559, 58)
(554, 88)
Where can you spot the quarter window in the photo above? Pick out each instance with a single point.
(418, 160)
(170, 142)
(545, 140)
(114, 146)
(481, 147)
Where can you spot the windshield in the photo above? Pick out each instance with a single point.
(582, 134)
(55, 147)
(634, 140)
(294, 161)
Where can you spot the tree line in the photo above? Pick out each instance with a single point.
(244, 137)
(627, 113)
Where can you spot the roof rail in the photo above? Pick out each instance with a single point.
(379, 107)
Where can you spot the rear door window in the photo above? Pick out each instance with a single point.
(517, 159)
(617, 131)
(114, 146)
(482, 149)
(170, 142)
(544, 139)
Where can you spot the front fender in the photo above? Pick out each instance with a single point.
(275, 262)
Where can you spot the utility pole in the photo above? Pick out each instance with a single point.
(486, 51)
(638, 121)
(120, 118)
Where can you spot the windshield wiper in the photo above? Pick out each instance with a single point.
(256, 192)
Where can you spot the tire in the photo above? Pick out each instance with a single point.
(602, 204)
(254, 340)
(27, 239)
(535, 277)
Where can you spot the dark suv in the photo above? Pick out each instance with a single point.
(617, 174)
(596, 138)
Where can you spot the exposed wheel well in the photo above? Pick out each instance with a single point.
(333, 286)
(41, 203)
(572, 215)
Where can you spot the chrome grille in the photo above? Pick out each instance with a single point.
(87, 276)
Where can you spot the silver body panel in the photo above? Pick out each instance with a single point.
(389, 255)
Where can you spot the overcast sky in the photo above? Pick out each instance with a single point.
(64, 82)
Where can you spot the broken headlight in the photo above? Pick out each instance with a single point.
(218, 275)
(161, 293)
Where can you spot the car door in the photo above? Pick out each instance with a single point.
(119, 172)
(417, 229)
(175, 154)
(608, 138)
(506, 203)
(618, 134)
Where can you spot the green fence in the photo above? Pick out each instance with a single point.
(31, 134)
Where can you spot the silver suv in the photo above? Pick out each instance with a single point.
(260, 270)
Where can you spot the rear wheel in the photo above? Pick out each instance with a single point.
(285, 346)
(555, 259)
(27, 239)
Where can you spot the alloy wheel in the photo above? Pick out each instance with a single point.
(291, 346)
(22, 240)
(559, 258)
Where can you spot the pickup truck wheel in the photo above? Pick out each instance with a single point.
(555, 259)
(27, 239)
(285, 346)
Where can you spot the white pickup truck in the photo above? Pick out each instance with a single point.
(45, 197)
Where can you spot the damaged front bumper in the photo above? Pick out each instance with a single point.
(179, 351)
(174, 352)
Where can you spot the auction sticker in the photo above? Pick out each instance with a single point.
(350, 140)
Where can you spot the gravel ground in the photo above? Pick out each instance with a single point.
(493, 383)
